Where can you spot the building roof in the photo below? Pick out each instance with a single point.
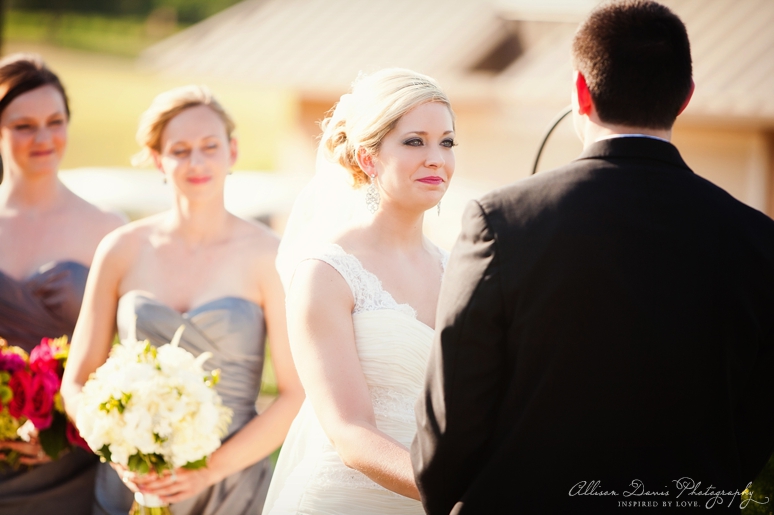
(317, 47)
(320, 46)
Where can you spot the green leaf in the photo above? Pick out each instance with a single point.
(198, 464)
(54, 438)
(135, 462)
(158, 463)
(104, 452)
(6, 394)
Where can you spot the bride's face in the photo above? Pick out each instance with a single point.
(415, 161)
(196, 154)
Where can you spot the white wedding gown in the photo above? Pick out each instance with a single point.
(393, 347)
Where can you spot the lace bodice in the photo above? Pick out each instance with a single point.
(367, 289)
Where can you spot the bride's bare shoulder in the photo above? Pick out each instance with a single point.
(320, 279)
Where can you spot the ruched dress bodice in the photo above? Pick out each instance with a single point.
(45, 305)
(233, 330)
(393, 348)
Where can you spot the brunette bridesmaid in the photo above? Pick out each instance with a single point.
(48, 236)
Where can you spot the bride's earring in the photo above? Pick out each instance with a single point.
(372, 197)
(439, 208)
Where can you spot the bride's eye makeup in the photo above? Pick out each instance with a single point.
(418, 142)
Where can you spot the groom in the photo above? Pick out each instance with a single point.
(605, 334)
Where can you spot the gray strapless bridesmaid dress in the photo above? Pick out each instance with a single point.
(233, 330)
(46, 305)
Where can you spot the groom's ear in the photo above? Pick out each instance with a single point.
(687, 98)
(365, 160)
(583, 95)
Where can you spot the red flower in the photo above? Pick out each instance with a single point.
(21, 385)
(74, 437)
(42, 357)
(40, 407)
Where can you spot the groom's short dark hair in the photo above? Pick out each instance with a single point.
(636, 59)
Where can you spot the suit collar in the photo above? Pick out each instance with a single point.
(641, 148)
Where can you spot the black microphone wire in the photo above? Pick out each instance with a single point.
(562, 114)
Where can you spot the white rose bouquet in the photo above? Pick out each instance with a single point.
(152, 409)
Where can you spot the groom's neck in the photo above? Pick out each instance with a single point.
(595, 129)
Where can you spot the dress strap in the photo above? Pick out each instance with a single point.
(346, 265)
(366, 288)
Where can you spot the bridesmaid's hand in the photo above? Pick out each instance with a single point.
(179, 485)
(30, 453)
(132, 480)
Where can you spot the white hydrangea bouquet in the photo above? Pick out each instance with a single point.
(152, 409)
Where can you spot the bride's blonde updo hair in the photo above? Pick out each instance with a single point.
(363, 117)
(166, 106)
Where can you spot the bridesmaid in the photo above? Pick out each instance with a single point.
(48, 236)
(203, 267)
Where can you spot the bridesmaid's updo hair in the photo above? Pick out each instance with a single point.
(21, 73)
(363, 117)
(166, 106)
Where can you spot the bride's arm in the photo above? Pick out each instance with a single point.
(323, 342)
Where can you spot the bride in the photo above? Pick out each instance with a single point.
(361, 304)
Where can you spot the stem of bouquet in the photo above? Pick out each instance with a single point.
(148, 504)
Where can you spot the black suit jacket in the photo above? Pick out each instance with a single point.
(608, 322)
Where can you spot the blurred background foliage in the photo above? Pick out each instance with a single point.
(122, 27)
(93, 44)
(185, 11)
(124, 36)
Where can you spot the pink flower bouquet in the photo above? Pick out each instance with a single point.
(29, 397)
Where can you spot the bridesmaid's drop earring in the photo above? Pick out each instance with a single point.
(372, 197)
(439, 208)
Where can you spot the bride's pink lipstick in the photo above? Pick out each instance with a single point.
(198, 180)
(433, 179)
